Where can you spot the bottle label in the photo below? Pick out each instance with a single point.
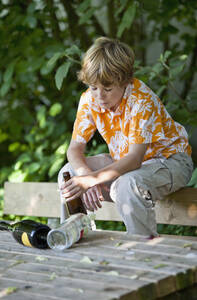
(25, 240)
(81, 233)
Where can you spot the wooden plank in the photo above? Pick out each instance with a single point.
(32, 199)
(118, 257)
(188, 293)
(178, 208)
(108, 212)
(143, 269)
(42, 199)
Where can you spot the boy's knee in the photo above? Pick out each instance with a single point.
(131, 186)
(122, 185)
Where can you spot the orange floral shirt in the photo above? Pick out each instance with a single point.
(141, 118)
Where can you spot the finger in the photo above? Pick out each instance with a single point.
(96, 199)
(71, 192)
(73, 197)
(66, 184)
(99, 193)
(91, 200)
(86, 202)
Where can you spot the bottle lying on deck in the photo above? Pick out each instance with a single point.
(28, 233)
(70, 231)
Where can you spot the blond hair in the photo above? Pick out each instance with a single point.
(107, 61)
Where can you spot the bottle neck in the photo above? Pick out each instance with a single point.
(5, 226)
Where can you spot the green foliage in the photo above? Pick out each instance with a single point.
(42, 43)
(110, 225)
(193, 181)
(177, 230)
(127, 19)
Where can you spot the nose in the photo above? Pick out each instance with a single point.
(101, 94)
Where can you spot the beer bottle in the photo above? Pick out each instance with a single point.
(28, 233)
(76, 205)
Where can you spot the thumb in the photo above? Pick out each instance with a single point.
(100, 195)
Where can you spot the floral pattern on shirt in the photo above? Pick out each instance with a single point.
(141, 118)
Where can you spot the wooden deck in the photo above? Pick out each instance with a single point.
(104, 265)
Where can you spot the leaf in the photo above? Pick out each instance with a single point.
(8, 291)
(14, 146)
(54, 58)
(123, 4)
(41, 116)
(3, 136)
(113, 273)
(55, 109)
(31, 8)
(5, 88)
(87, 15)
(118, 244)
(25, 157)
(47, 69)
(33, 167)
(183, 57)
(61, 74)
(147, 259)
(187, 245)
(41, 258)
(160, 266)
(160, 90)
(133, 276)
(166, 55)
(41, 112)
(193, 179)
(73, 50)
(53, 276)
(17, 176)
(175, 71)
(9, 72)
(86, 260)
(83, 6)
(81, 291)
(18, 262)
(61, 150)
(104, 262)
(127, 19)
(55, 167)
(31, 21)
(157, 68)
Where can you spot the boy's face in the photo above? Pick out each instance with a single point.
(108, 97)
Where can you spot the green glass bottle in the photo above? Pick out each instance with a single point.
(28, 233)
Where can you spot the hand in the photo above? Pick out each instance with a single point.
(76, 186)
(92, 198)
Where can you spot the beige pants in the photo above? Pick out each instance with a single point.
(135, 192)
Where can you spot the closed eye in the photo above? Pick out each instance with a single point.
(93, 88)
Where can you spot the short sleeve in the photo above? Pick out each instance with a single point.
(146, 123)
(84, 126)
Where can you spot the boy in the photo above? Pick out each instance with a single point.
(149, 155)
